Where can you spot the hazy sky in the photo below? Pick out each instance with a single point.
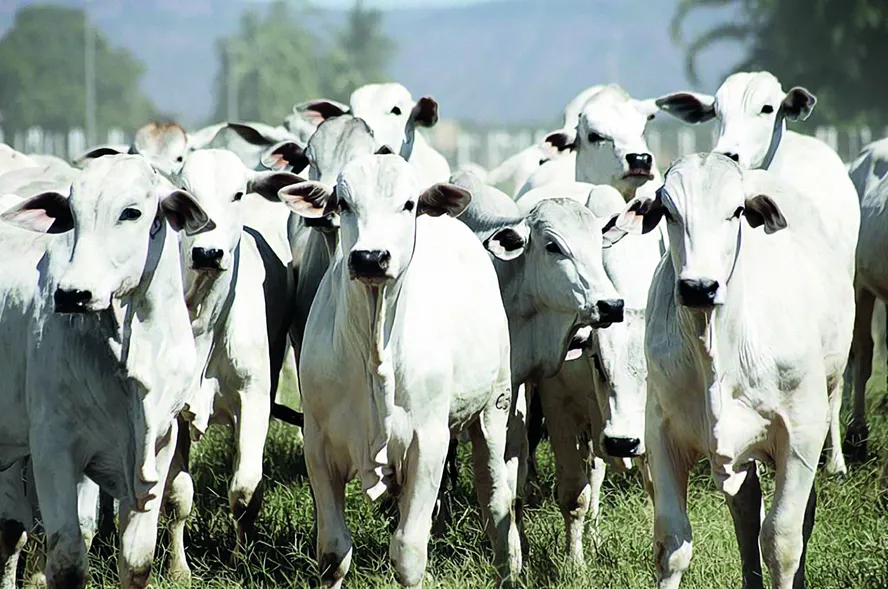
(397, 3)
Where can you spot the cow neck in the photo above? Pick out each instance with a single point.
(371, 314)
(153, 329)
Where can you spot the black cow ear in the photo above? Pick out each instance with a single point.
(385, 150)
(762, 210)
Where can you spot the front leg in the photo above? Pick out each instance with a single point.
(409, 545)
(516, 456)
(138, 529)
(746, 510)
(178, 502)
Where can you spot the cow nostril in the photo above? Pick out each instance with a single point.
(733, 156)
(622, 447)
(384, 258)
(697, 292)
(71, 301)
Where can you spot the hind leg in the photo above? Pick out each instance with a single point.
(862, 357)
(179, 500)
(746, 511)
(835, 464)
(494, 493)
(516, 456)
(15, 519)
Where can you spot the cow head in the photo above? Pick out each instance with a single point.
(609, 141)
(752, 109)
(393, 115)
(378, 199)
(114, 223)
(218, 181)
(704, 203)
(164, 145)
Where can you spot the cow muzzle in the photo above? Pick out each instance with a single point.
(369, 266)
(697, 293)
(622, 447)
(206, 259)
(72, 301)
(610, 311)
(640, 165)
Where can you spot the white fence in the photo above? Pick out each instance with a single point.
(487, 148)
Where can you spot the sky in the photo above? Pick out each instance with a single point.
(398, 3)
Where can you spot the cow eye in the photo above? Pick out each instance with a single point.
(180, 159)
(595, 137)
(767, 109)
(408, 206)
(553, 248)
(396, 110)
(238, 195)
(130, 214)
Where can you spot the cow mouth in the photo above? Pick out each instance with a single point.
(638, 174)
(372, 280)
(207, 267)
(578, 343)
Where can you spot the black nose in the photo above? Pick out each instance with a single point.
(622, 447)
(369, 263)
(640, 161)
(733, 156)
(71, 301)
(697, 293)
(209, 259)
(609, 311)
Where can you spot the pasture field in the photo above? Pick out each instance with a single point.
(848, 549)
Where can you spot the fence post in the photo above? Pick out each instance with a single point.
(465, 144)
(34, 140)
(2, 136)
(76, 143)
(687, 141)
(116, 136)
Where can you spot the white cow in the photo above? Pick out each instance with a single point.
(748, 322)
(239, 298)
(752, 109)
(513, 173)
(103, 356)
(553, 284)
(402, 359)
(11, 159)
(395, 117)
(163, 144)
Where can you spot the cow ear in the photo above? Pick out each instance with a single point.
(690, 107)
(96, 153)
(562, 140)
(507, 243)
(798, 104)
(762, 210)
(49, 212)
(610, 233)
(443, 199)
(385, 150)
(249, 134)
(318, 111)
(425, 112)
(283, 154)
(641, 215)
(184, 214)
(311, 200)
(268, 184)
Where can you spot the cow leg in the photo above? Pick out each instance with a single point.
(87, 509)
(138, 529)
(334, 544)
(862, 356)
(56, 480)
(669, 466)
(790, 521)
(516, 456)
(572, 454)
(494, 493)
(835, 464)
(250, 430)
(444, 511)
(409, 545)
(178, 502)
(107, 528)
(746, 510)
(535, 433)
(15, 519)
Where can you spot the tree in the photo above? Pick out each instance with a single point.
(360, 54)
(836, 48)
(42, 75)
(275, 61)
(275, 64)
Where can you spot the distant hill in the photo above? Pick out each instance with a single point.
(497, 62)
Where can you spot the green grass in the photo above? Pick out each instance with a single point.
(849, 547)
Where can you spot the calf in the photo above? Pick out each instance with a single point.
(400, 360)
(91, 301)
(752, 109)
(745, 329)
(239, 297)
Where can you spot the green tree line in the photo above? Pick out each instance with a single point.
(835, 48)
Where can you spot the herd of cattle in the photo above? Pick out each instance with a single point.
(650, 319)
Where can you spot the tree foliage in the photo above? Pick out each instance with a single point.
(277, 61)
(42, 74)
(836, 48)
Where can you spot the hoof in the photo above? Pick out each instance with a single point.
(180, 575)
(855, 445)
